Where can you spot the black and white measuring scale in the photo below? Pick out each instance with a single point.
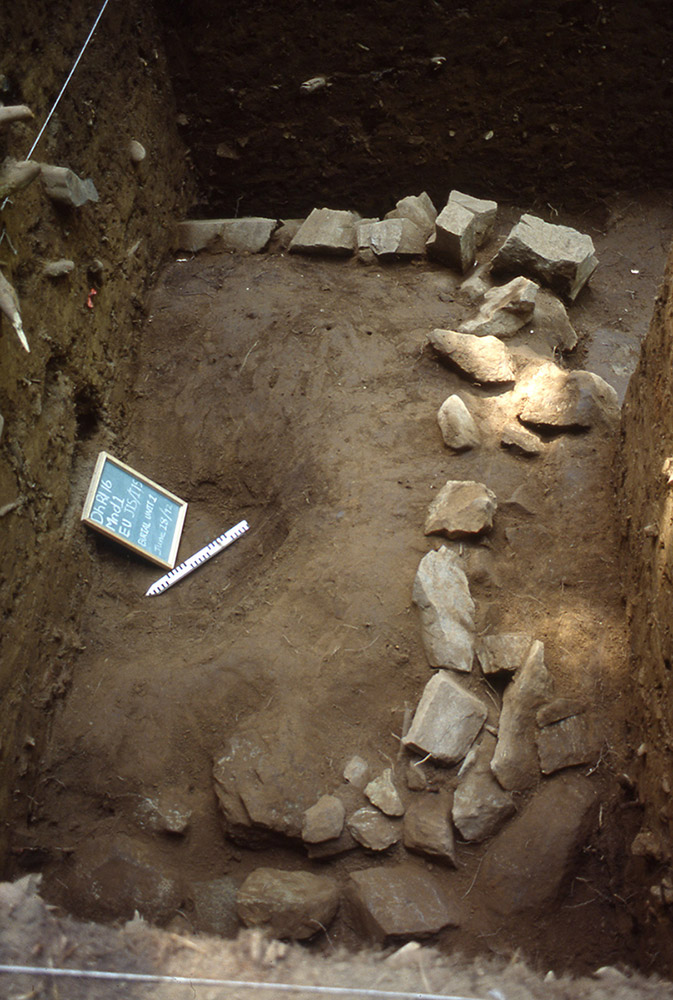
(198, 559)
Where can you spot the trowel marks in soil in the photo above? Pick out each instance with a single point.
(302, 395)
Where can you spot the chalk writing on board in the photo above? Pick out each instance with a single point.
(129, 507)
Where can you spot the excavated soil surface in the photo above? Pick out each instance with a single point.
(300, 394)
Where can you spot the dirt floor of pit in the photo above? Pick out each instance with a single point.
(299, 393)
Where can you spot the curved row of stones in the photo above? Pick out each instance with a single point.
(464, 756)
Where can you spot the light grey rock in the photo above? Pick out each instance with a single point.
(324, 820)
(505, 651)
(521, 441)
(558, 709)
(515, 762)
(457, 425)
(215, 907)
(289, 904)
(531, 859)
(447, 721)
(2, 425)
(286, 232)
(383, 794)
(474, 288)
(373, 830)
(427, 827)
(417, 779)
(442, 594)
(462, 508)
(64, 186)
(419, 209)
(14, 113)
(480, 806)
(483, 359)
(165, 812)
(550, 319)
(16, 175)
(567, 743)
(460, 229)
(506, 308)
(558, 256)
(9, 305)
(483, 210)
(137, 152)
(248, 235)
(58, 268)
(328, 232)
(356, 772)
(558, 400)
(363, 240)
(396, 238)
(401, 901)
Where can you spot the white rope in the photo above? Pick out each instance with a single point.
(141, 977)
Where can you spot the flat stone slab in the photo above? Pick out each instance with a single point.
(399, 901)
(515, 762)
(462, 508)
(505, 309)
(324, 820)
(326, 231)
(447, 721)
(505, 651)
(528, 864)
(483, 359)
(290, 904)
(521, 441)
(420, 210)
(383, 794)
(442, 594)
(248, 235)
(558, 400)
(567, 743)
(457, 425)
(373, 830)
(480, 806)
(427, 827)
(395, 238)
(558, 256)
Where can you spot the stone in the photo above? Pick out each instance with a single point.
(506, 308)
(462, 508)
(373, 830)
(14, 113)
(442, 594)
(286, 232)
(417, 779)
(419, 209)
(215, 907)
(566, 743)
(363, 240)
(515, 762)
(16, 175)
(647, 844)
(64, 186)
(558, 256)
(427, 827)
(521, 441)
(400, 901)
(550, 319)
(137, 152)
(558, 709)
(396, 238)
(457, 425)
(557, 400)
(356, 772)
(289, 904)
(447, 721)
(324, 820)
(483, 210)
(505, 651)
(248, 235)
(480, 806)
(383, 794)
(484, 359)
(326, 231)
(531, 859)
(460, 229)
(164, 813)
(475, 287)
(58, 268)
(9, 305)
(332, 848)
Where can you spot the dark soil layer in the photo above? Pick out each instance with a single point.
(557, 102)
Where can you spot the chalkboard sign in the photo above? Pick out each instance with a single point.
(129, 507)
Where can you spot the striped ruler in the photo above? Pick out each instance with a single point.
(198, 559)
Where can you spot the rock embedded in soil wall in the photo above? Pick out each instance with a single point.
(557, 400)
(293, 904)
(427, 826)
(326, 232)
(480, 806)
(64, 186)
(442, 594)
(400, 901)
(447, 721)
(483, 359)
(462, 508)
(457, 425)
(505, 310)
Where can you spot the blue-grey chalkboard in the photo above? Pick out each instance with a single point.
(129, 507)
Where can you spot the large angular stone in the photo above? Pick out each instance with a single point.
(484, 359)
(529, 862)
(363, 240)
(557, 400)
(14, 113)
(373, 830)
(324, 820)
(567, 743)
(462, 508)
(442, 594)
(457, 425)
(483, 210)
(461, 228)
(515, 762)
(396, 238)
(480, 806)
(383, 794)
(248, 235)
(447, 721)
(62, 185)
(505, 309)
(326, 231)
(16, 175)
(403, 901)
(427, 827)
(292, 904)
(558, 256)
(551, 320)
(504, 651)
(419, 209)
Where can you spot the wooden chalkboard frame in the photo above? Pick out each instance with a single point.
(95, 491)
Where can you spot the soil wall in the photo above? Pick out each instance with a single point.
(74, 380)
